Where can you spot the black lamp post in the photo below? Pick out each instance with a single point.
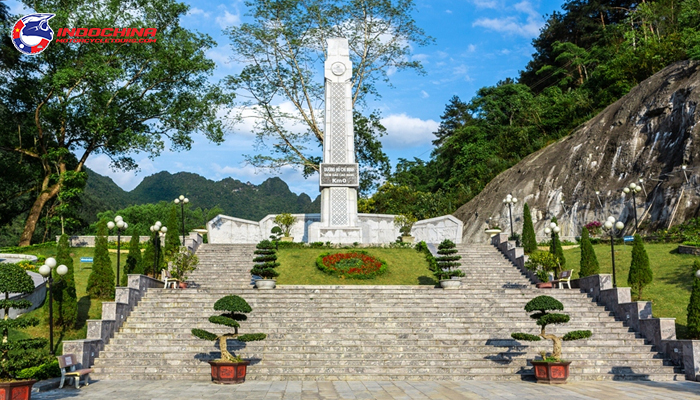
(46, 271)
(158, 231)
(510, 200)
(611, 225)
(634, 189)
(182, 200)
(121, 225)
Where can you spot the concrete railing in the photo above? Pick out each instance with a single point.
(637, 315)
(114, 313)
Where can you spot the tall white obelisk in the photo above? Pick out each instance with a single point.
(339, 173)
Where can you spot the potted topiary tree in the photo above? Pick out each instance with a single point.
(405, 223)
(183, 262)
(550, 369)
(285, 222)
(229, 368)
(265, 264)
(13, 279)
(447, 266)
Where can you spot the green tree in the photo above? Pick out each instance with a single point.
(113, 99)
(555, 247)
(265, 260)
(172, 238)
(101, 280)
(694, 305)
(529, 238)
(133, 263)
(589, 261)
(64, 296)
(640, 273)
(447, 261)
(149, 257)
(282, 49)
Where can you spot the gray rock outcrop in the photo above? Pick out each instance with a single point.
(650, 133)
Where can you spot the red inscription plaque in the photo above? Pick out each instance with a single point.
(558, 372)
(241, 371)
(20, 393)
(541, 371)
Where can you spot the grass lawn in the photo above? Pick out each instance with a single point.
(87, 308)
(404, 267)
(669, 292)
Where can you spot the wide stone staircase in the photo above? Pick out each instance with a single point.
(372, 332)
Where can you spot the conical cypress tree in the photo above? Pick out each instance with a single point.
(694, 306)
(640, 273)
(265, 260)
(133, 260)
(447, 261)
(589, 262)
(148, 258)
(64, 296)
(101, 280)
(529, 238)
(172, 239)
(556, 249)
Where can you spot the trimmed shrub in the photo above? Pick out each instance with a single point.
(265, 260)
(640, 273)
(101, 280)
(529, 239)
(540, 305)
(133, 263)
(556, 249)
(64, 296)
(589, 261)
(172, 238)
(235, 309)
(447, 261)
(285, 221)
(694, 305)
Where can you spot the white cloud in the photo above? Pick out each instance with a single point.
(424, 94)
(514, 24)
(220, 57)
(198, 11)
(420, 57)
(404, 131)
(471, 48)
(485, 3)
(227, 19)
(448, 11)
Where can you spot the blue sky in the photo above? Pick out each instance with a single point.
(477, 43)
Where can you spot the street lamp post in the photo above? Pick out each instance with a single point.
(634, 189)
(158, 231)
(121, 225)
(554, 230)
(45, 271)
(597, 194)
(610, 225)
(182, 200)
(684, 167)
(641, 184)
(510, 200)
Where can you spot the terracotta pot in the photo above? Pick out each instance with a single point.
(226, 372)
(17, 390)
(183, 285)
(544, 285)
(551, 372)
(287, 238)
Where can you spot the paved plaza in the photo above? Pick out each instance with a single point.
(184, 390)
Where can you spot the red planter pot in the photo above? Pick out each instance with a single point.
(18, 390)
(551, 372)
(544, 285)
(183, 285)
(228, 372)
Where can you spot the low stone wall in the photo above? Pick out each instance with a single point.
(114, 313)
(683, 249)
(435, 230)
(36, 297)
(660, 332)
(89, 241)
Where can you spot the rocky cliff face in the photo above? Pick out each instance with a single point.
(650, 134)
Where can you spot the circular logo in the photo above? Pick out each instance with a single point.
(32, 33)
(338, 68)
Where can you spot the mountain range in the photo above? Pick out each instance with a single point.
(236, 198)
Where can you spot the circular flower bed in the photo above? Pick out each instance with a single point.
(356, 265)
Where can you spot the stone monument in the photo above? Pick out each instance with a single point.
(339, 173)
(338, 221)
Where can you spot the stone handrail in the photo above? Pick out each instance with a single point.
(637, 315)
(114, 313)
